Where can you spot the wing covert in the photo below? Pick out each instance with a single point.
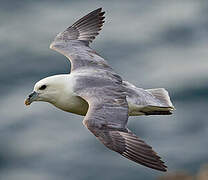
(106, 97)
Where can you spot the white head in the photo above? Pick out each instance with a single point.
(48, 89)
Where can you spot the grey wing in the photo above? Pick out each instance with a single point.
(74, 42)
(130, 146)
(107, 117)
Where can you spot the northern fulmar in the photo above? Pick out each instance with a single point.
(94, 90)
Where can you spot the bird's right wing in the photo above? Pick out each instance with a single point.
(74, 42)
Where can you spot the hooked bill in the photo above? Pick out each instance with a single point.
(27, 102)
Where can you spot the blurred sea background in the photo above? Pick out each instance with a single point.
(149, 43)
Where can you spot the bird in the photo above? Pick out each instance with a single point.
(94, 90)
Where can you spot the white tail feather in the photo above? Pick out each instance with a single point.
(162, 95)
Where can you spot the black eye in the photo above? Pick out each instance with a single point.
(42, 87)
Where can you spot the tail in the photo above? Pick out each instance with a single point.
(162, 95)
(165, 108)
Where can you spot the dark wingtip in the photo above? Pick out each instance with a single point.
(138, 151)
(88, 26)
(85, 29)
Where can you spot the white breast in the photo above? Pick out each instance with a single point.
(67, 100)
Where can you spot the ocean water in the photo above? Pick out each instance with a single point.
(149, 43)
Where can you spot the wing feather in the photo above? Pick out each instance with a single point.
(107, 117)
(139, 152)
(93, 21)
(129, 146)
(74, 42)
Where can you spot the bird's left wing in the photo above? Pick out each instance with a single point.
(74, 42)
(107, 117)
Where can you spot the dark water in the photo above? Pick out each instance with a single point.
(150, 43)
